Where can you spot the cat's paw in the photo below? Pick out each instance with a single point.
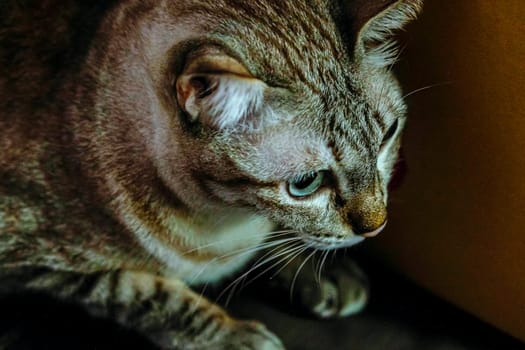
(249, 335)
(341, 291)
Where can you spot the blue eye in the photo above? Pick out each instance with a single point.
(306, 185)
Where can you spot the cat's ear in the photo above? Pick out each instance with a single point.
(218, 91)
(374, 25)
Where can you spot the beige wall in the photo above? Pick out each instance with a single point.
(457, 226)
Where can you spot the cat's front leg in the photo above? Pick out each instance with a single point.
(337, 290)
(164, 310)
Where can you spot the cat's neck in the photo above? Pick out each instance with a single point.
(202, 246)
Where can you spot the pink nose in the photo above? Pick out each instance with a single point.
(375, 232)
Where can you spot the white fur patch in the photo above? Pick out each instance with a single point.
(231, 103)
(234, 236)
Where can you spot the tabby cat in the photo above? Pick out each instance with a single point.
(149, 146)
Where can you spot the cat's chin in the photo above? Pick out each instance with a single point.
(331, 243)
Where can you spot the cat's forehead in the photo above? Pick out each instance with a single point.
(291, 43)
(295, 148)
(283, 152)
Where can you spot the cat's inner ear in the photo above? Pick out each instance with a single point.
(374, 24)
(218, 91)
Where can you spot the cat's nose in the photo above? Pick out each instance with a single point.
(368, 223)
(374, 232)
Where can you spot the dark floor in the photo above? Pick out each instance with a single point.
(400, 316)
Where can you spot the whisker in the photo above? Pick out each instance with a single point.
(427, 87)
(200, 298)
(251, 269)
(241, 252)
(305, 247)
(323, 260)
(269, 252)
(297, 273)
(291, 251)
(288, 252)
(317, 259)
(334, 255)
(267, 236)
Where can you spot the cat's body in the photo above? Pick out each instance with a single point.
(148, 145)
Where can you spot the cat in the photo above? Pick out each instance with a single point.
(151, 146)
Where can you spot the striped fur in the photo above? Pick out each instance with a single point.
(147, 147)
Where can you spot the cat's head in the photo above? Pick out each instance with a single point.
(301, 123)
(287, 108)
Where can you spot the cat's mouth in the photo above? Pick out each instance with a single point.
(331, 243)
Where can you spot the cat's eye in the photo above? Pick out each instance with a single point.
(307, 184)
(390, 133)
